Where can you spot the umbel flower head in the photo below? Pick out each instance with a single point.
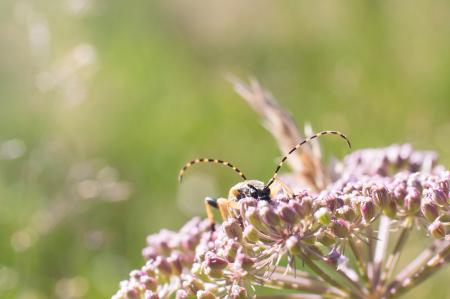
(327, 239)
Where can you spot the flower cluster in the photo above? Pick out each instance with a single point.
(388, 161)
(378, 193)
(168, 254)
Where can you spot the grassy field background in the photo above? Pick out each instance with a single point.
(102, 101)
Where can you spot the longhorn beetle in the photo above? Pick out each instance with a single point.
(247, 188)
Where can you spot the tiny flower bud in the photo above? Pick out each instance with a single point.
(164, 247)
(429, 210)
(439, 197)
(248, 202)
(149, 269)
(340, 228)
(347, 199)
(399, 194)
(189, 243)
(405, 152)
(214, 273)
(251, 234)
(214, 261)
(199, 271)
(392, 154)
(205, 295)
(416, 161)
(231, 251)
(309, 239)
(150, 283)
(380, 195)
(136, 274)
(302, 207)
(245, 262)
(238, 292)
(193, 284)
(323, 216)
(306, 206)
(326, 238)
(288, 215)
(132, 293)
(333, 201)
(358, 186)
(367, 189)
(269, 216)
(413, 182)
(346, 213)
(293, 245)
(253, 217)
(333, 257)
(150, 295)
(232, 229)
(445, 219)
(175, 262)
(390, 209)
(412, 200)
(149, 253)
(181, 294)
(348, 188)
(444, 185)
(163, 265)
(437, 230)
(367, 210)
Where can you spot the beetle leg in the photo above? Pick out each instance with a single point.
(234, 205)
(283, 187)
(224, 207)
(210, 202)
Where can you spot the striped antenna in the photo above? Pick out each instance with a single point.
(206, 160)
(302, 143)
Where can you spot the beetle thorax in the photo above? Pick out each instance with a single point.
(250, 188)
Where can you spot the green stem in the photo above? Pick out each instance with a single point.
(420, 261)
(359, 259)
(354, 284)
(380, 250)
(298, 273)
(398, 288)
(283, 281)
(395, 255)
(325, 276)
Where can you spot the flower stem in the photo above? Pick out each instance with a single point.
(359, 259)
(380, 249)
(298, 273)
(285, 281)
(342, 272)
(434, 264)
(395, 255)
(325, 276)
(419, 262)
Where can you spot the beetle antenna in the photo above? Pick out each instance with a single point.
(207, 160)
(306, 140)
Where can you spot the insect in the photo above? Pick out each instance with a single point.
(248, 188)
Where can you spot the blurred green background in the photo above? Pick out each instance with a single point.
(103, 101)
